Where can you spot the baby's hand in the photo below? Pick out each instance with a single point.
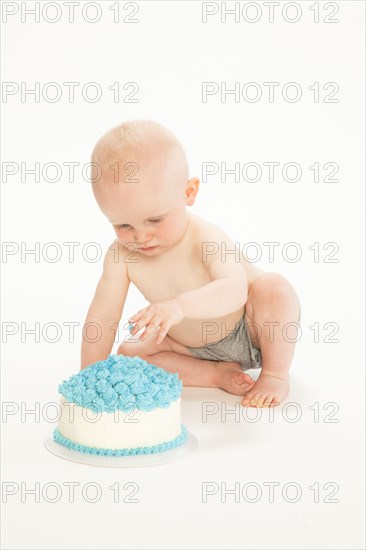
(162, 314)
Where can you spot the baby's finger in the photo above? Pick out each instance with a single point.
(137, 316)
(131, 327)
(161, 335)
(138, 326)
(150, 327)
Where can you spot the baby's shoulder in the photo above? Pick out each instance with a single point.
(115, 260)
(207, 233)
(212, 243)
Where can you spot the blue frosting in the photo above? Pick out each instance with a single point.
(124, 383)
(122, 452)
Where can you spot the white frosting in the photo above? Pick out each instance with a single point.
(119, 430)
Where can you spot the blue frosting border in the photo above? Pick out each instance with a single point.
(161, 447)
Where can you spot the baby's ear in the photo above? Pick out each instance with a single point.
(192, 189)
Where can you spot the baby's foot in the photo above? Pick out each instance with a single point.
(268, 391)
(231, 378)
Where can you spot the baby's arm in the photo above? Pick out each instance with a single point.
(227, 292)
(106, 308)
(228, 289)
(223, 295)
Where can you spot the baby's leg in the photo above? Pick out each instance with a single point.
(272, 316)
(174, 357)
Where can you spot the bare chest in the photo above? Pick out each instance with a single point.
(163, 278)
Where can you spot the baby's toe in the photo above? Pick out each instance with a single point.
(262, 397)
(268, 400)
(271, 401)
(256, 400)
(250, 400)
(247, 399)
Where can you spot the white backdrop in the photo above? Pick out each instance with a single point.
(313, 49)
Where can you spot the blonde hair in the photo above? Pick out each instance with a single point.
(144, 141)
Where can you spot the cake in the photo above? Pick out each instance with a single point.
(121, 406)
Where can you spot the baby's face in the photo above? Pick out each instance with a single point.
(150, 212)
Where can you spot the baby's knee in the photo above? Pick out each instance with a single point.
(273, 287)
(127, 349)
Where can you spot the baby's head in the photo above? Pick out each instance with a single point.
(140, 182)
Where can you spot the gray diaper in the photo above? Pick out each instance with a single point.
(237, 346)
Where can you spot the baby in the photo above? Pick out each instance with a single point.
(211, 314)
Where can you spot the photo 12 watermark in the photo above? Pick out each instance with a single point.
(270, 12)
(71, 12)
(69, 171)
(272, 251)
(69, 92)
(269, 92)
(272, 492)
(290, 412)
(91, 412)
(269, 172)
(52, 492)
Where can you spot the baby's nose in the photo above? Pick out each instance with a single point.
(143, 238)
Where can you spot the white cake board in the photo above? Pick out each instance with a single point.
(133, 461)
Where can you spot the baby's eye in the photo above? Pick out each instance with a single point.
(124, 225)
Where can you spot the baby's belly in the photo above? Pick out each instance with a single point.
(199, 332)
